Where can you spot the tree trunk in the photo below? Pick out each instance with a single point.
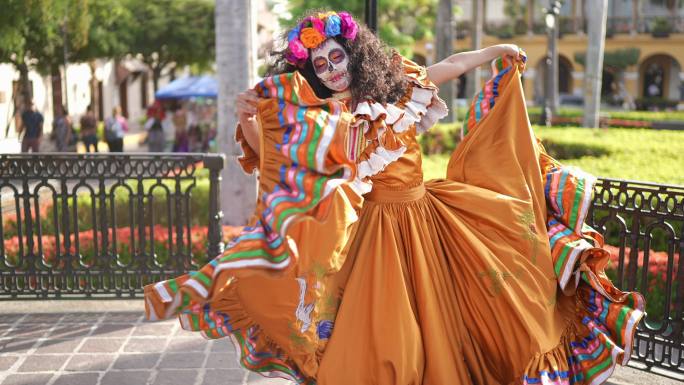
(635, 17)
(156, 74)
(94, 89)
(25, 85)
(554, 68)
(473, 79)
(596, 11)
(530, 17)
(445, 38)
(57, 96)
(235, 70)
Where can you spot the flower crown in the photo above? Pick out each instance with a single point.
(314, 30)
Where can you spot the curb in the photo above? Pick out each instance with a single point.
(72, 306)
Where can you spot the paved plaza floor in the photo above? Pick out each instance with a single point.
(108, 343)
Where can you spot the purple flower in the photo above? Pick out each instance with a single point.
(324, 329)
(332, 26)
(349, 27)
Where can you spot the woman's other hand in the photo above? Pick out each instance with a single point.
(245, 104)
(246, 109)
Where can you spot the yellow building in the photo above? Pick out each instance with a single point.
(658, 72)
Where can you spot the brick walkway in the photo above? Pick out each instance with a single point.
(107, 343)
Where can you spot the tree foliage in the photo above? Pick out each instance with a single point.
(619, 59)
(170, 33)
(163, 33)
(32, 31)
(400, 22)
(109, 32)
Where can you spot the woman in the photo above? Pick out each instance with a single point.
(354, 271)
(116, 127)
(89, 130)
(62, 131)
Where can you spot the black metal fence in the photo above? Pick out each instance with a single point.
(645, 224)
(104, 225)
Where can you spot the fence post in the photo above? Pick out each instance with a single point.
(214, 163)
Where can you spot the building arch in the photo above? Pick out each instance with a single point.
(565, 81)
(659, 77)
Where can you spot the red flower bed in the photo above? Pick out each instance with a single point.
(161, 240)
(655, 288)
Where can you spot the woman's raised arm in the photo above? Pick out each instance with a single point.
(460, 63)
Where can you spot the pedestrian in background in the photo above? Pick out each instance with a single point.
(155, 133)
(89, 130)
(31, 126)
(116, 127)
(62, 131)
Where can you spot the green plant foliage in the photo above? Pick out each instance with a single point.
(619, 59)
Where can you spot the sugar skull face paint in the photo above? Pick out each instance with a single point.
(331, 62)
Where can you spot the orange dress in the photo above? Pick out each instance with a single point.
(488, 276)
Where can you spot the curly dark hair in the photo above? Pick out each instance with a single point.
(376, 71)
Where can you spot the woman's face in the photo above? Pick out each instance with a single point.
(330, 61)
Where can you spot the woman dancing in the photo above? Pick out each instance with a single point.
(353, 270)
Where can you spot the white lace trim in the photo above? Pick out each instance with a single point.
(424, 109)
(378, 160)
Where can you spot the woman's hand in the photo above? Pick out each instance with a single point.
(510, 50)
(245, 103)
(246, 109)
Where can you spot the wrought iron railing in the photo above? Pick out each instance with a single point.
(103, 225)
(645, 222)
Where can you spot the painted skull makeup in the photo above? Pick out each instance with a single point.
(331, 62)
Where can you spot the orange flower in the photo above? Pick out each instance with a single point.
(311, 38)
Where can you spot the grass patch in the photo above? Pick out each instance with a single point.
(623, 153)
(649, 116)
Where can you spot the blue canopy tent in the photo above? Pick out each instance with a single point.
(189, 87)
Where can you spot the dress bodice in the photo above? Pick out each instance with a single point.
(390, 158)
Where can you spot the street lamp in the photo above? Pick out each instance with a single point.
(372, 15)
(551, 61)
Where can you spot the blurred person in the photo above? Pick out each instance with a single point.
(180, 124)
(89, 130)
(31, 126)
(62, 130)
(168, 127)
(195, 142)
(116, 127)
(155, 132)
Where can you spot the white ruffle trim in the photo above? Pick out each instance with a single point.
(424, 109)
(378, 160)
(361, 187)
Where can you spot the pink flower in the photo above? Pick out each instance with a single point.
(316, 23)
(349, 26)
(298, 50)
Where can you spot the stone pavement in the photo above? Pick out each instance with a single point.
(71, 344)
(107, 343)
